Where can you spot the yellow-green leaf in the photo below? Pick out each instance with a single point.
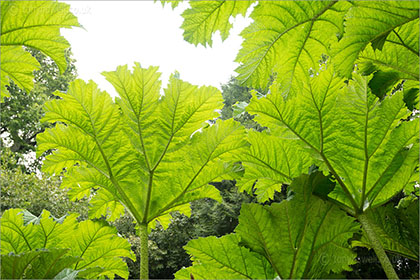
(287, 38)
(204, 18)
(367, 21)
(34, 24)
(152, 154)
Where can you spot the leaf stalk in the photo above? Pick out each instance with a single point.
(377, 246)
(144, 251)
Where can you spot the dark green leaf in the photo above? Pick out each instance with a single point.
(398, 229)
(378, 42)
(304, 237)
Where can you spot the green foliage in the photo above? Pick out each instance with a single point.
(208, 217)
(359, 130)
(35, 25)
(232, 93)
(174, 3)
(140, 149)
(235, 98)
(28, 191)
(269, 168)
(41, 264)
(211, 260)
(347, 131)
(389, 27)
(300, 246)
(289, 39)
(393, 53)
(206, 17)
(397, 228)
(21, 112)
(294, 246)
(41, 247)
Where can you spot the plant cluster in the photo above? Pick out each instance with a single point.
(338, 87)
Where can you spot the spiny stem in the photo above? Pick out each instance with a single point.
(144, 252)
(377, 246)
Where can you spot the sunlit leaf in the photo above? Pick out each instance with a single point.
(301, 237)
(348, 131)
(145, 150)
(204, 18)
(93, 247)
(41, 264)
(223, 258)
(270, 162)
(174, 3)
(366, 22)
(297, 238)
(34, 24)
(288, 38)
(398, 229)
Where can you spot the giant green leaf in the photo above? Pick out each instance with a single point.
(398, 229)
(204, 18)
(105, 204)
(99, 245)
(398, 60)
(392, 23)
(349, 132)
(40, 264)
(288, 38)
(271, 161)
(223, 258)
(21, 231)
(82, 183)
(304, 237)
(395, 57)
(14, 266)
(300, 128)
(34, 24)
(50, 245)
(145, 150)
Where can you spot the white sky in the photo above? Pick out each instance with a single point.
(122, 32)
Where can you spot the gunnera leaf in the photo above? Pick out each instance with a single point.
(34, 24)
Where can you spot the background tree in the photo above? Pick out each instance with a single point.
(21, 112)
(235, 98)
(30, 192)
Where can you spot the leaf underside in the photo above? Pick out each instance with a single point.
(223, 258)
(293, 239)
(34, 24)
(140, 149)
(287, 38)
(204, 18)
(398, 229)
(395, 22)
(344, 129)
(50, 245)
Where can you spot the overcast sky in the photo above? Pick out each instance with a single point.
(121, 32)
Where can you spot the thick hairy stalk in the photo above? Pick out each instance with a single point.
(144, 252)
(377, 246)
